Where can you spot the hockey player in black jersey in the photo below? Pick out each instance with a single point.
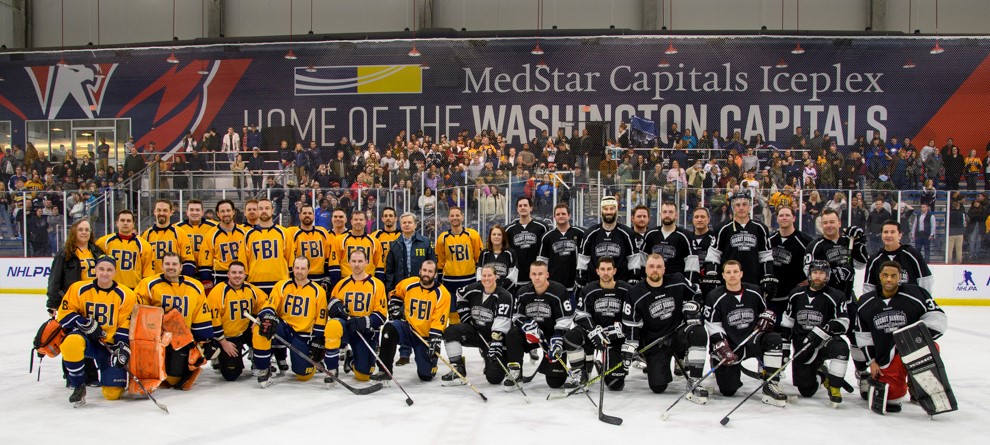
(524, 235)
(673, 244)
(486, 312)
(816, 319)
(500, 256)
(788, 245)
(598, 323)
(608, 238)
(543, 313)
(914, 268)
(834, 247)
(732, 313)
(665, 305)
(559, 248)
(747, 242)
(703, 236)
(640, 225)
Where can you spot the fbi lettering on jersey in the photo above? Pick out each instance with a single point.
(101, 313)
(357, 301)
(265, 249)
(296, 305)
(126, 259)
(228, 252)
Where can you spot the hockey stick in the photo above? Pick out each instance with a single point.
(755, 375)
(612, 420)
(409, 400)
(725, 420)
(508, 374)
(570, 374)
(449, 365)
(666, 413)
(319, 366)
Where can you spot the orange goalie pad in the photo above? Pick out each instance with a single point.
(175, 324)
(148, 343)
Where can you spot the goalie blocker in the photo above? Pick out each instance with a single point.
(919, 356)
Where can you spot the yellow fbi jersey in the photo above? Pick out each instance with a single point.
(267, 254)
(184, 295)
(110, 308)
(385, 238)
(135, 258)
(303, 308)
(228, 306)
(313, 244)
(457, 255)
(169, 239)
(223, 247)
(87, 264)
(347, 243)
(197, 235)
(426, 309)
(362, 298)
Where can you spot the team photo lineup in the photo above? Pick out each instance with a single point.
(576, 310)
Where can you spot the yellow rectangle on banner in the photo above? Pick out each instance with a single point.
(389, 79)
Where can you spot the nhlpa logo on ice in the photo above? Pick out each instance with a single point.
(364, 79)
(84, 84)
(967, 284)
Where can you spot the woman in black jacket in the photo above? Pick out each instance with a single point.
(954, 164)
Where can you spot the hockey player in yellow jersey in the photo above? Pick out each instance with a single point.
(229, 301)
(96, 313)
(390, 232)
(312, 242)
(251, 214)
(198, 228)
(135, 257)
(358, 302)
(356, 239)
(267, 250)
(296, 310)
(419, 307)
(166, 237)
(458, 250)
(172, 291)
(225, 243)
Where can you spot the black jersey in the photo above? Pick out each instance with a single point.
(505, 264)
(700, 244)
(807, 309)
(551, 310)
(748, 244)
(732, 315)
(639, 239)
(616, 243)
(485, 311)
(877, 318)
(652, 312)
(560, 251)
(788, 261)
(676, 250)
(914, 269)
(525, 240)
(598, 306)
(840, 257)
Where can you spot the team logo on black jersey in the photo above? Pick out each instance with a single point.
(665, 250)
(524, 240)
(809, 318)
(538, 310)
(741, 318)
(743, 241)
(781, 256)
(662, 309)
(890, 321)
(607, 248)
(482, 315)
(608, 306)
(564, 247)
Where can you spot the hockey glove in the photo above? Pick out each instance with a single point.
(785, 349)
(436, 339)
(360, 325)
(628, 353)
(766, 321)
(531, 331)
(597, 337)
(815, 339)
(496, 350)
(834, 328)
(317, 348)
(854, 232)
(556, 345)
(769, 284)
(724, 353)
(120, 355)
(692, 312)
(614, 334)
(91, 330)
(396, 309)
(709, 282)
(268, 324)
(211, 349)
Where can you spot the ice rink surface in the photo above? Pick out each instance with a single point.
(296, 412)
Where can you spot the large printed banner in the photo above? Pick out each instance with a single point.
(369, 91)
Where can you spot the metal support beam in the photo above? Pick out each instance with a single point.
(651, 15)
(214, 18)
(19, 23)
(877, 15)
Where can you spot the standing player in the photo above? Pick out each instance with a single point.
(732, 313)
(598, 322)
(356, 239)
(97, 314)
(788, 245)
(524, 235)
(543, 314)
(229, 300)
(313, 243)
(296, 310)
(612, 239)
(135, 258)
(559, 248)
(225, 244)
(673, 244)
(338, 219)
(251, 214)
(267, 250)
(172, 291)
(641, 225)
(485, 309)
(665, 305)
(501, 257)
(458, 251)
(747, 242)
(198, 228)
(833, 247)
(389, 233)
(166, 237)
(914, 268)
(703, 237)
(420, 307)
(885, 310)
(358, 303)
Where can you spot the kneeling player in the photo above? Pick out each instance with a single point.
(419, 308)
(296, 311)
(815, 320)
(665, 306)
(598, 323)
(95, 311)
(485, 309)
(736, 313)
(229, 300)
(544, 308)
(358, 302)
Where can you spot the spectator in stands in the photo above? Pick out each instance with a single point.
(976, 224)
(237, 169)
(957, 230)
(56, 222)
(37, 233)
(946, 149)
(934, 166)
(955, 164)
(974, 166)
(923, 231)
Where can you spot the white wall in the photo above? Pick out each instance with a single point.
(6, 25)
(121, 21)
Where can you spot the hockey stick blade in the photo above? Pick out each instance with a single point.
(378, 359)
(611, 420)
(160, 405)
(724, 421)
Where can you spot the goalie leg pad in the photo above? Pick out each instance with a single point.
(920, 358)
(148, 343)
(879, 392)
(174, 323)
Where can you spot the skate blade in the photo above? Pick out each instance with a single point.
(457, 382)
(834, 405)
(79, 404)
(774, 402)
(697, 399)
